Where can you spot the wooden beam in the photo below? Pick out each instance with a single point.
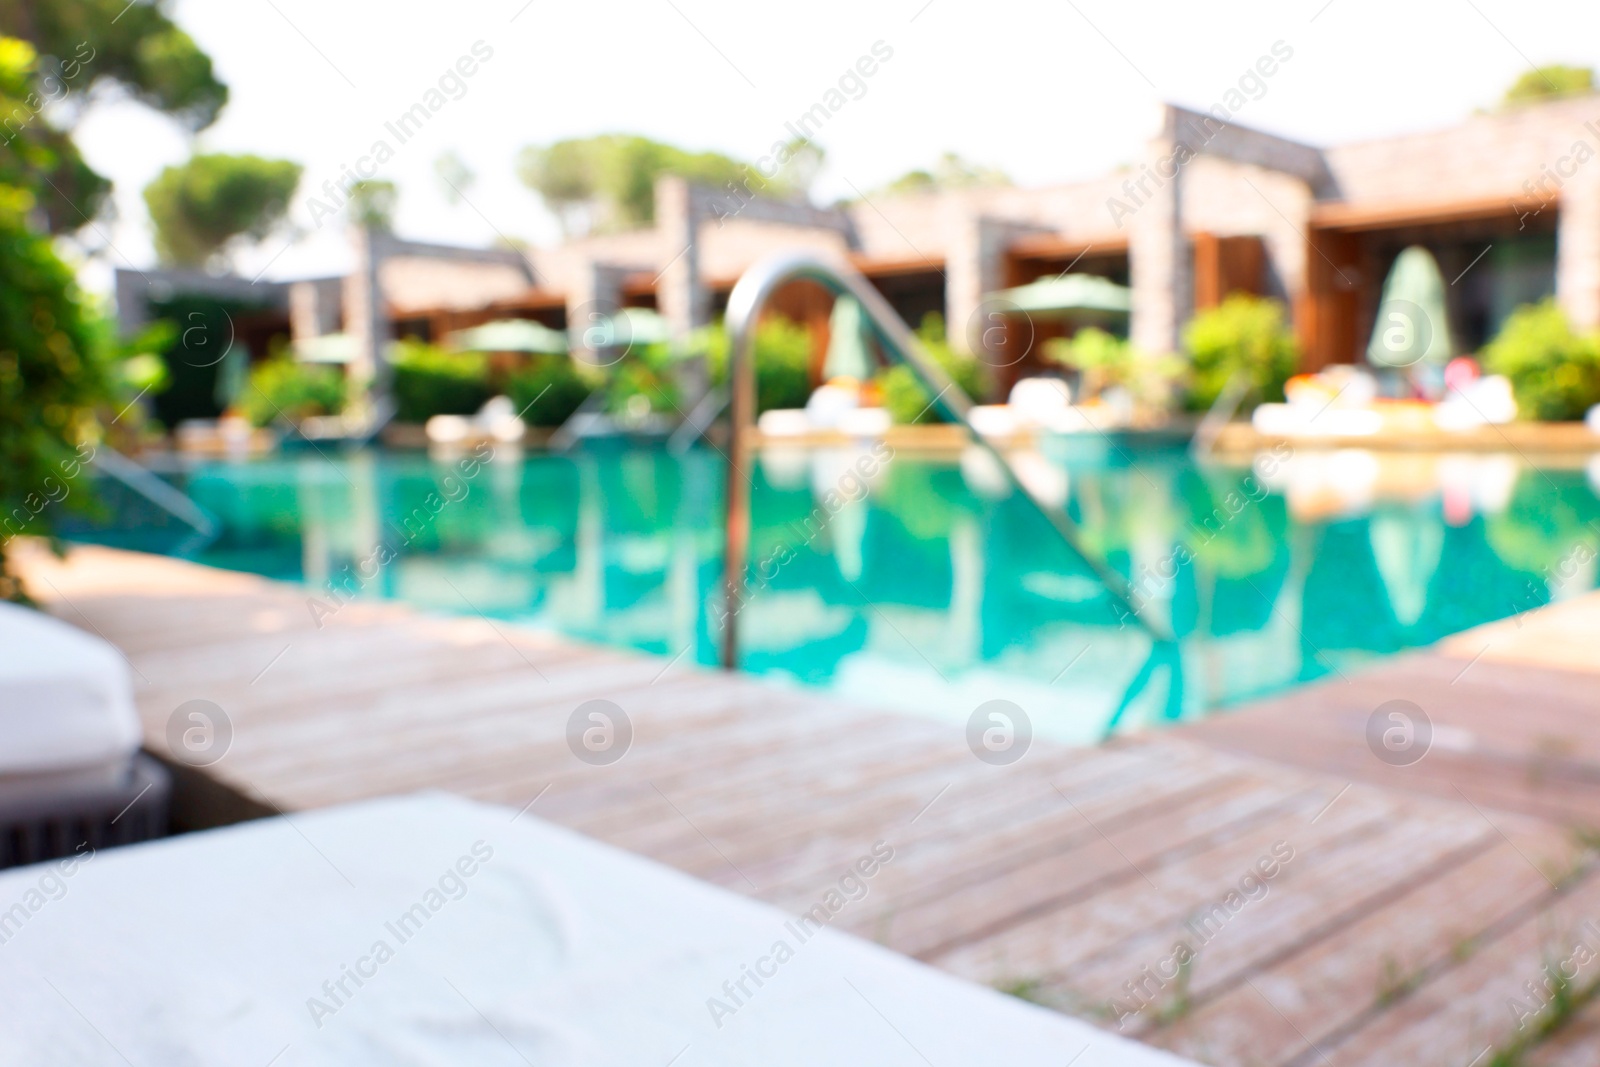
(1058, 246)
(1389, 214)
(528, 300)
(881, 266)
(871, 266)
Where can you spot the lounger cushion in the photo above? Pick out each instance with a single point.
(66, 697)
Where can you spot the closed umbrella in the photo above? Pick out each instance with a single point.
(848, 353)
(1412, 325)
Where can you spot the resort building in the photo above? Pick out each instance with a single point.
(1508, 203)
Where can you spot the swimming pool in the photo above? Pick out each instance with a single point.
(930, 588)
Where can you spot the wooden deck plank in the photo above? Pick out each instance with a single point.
(1573, 1045)
(986, 823)
(1361, 842)
(1452, 1019)
(1564, 635)
(521, 745)
(1074, 867)
(1082, 859)
(428, 734)
(1049, 940)
(802, 860)
(1491, 743)
(1315, 994)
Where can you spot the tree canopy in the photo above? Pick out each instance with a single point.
(86, 48)
(58, 354)
(133, 48)
(372, 203)
(606, 183)
(950, 172)
(1550, 83)
(52, 370)
(200, 206)
(38, 156)
(455, 177)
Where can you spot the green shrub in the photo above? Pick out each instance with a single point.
(1103, 360)
(1100, 359)
(642, 383)
(548, 390)
(903, 394)
(1550, 83)
(203, 341)
(1554, 371)
(904, 397)
(783, 365)
(429, 381)
(783, 361)
(1244, 334)
(54, 363)
(53, 374)
(283, 388)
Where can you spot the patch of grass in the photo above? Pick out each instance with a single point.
(1048, 994)
(1396, 982)
(1171, 1007)
(1549, 752)
(881, 927)
(1586, 843)
(1179, 1004)
(1566, 1001)
(1029, 989)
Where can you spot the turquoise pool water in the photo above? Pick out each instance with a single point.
(931, 589)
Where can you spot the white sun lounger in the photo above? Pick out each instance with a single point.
(69, 743)
(431, 930)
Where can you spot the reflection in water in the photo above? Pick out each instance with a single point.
(1166, 658)
(938, 590)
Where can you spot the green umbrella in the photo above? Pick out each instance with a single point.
(1066, 295)
(625, 328)
(641, 326)
(1412, 326)
(848, 353)
(510, 335)
(232, 375)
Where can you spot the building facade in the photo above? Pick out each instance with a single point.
(1509, 204)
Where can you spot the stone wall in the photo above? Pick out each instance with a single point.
(1486, 156)
(316, 307)
(1232, 181)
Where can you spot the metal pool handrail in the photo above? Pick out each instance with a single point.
(1218, 415)
(144, 482)
(745, 304)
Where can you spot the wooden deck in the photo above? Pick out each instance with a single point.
(1558, 444)
(1404, 909)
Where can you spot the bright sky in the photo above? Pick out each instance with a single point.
(1047, 91)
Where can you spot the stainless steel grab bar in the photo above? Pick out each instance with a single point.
(144, 482)
(745, 304)
(1218, 415)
